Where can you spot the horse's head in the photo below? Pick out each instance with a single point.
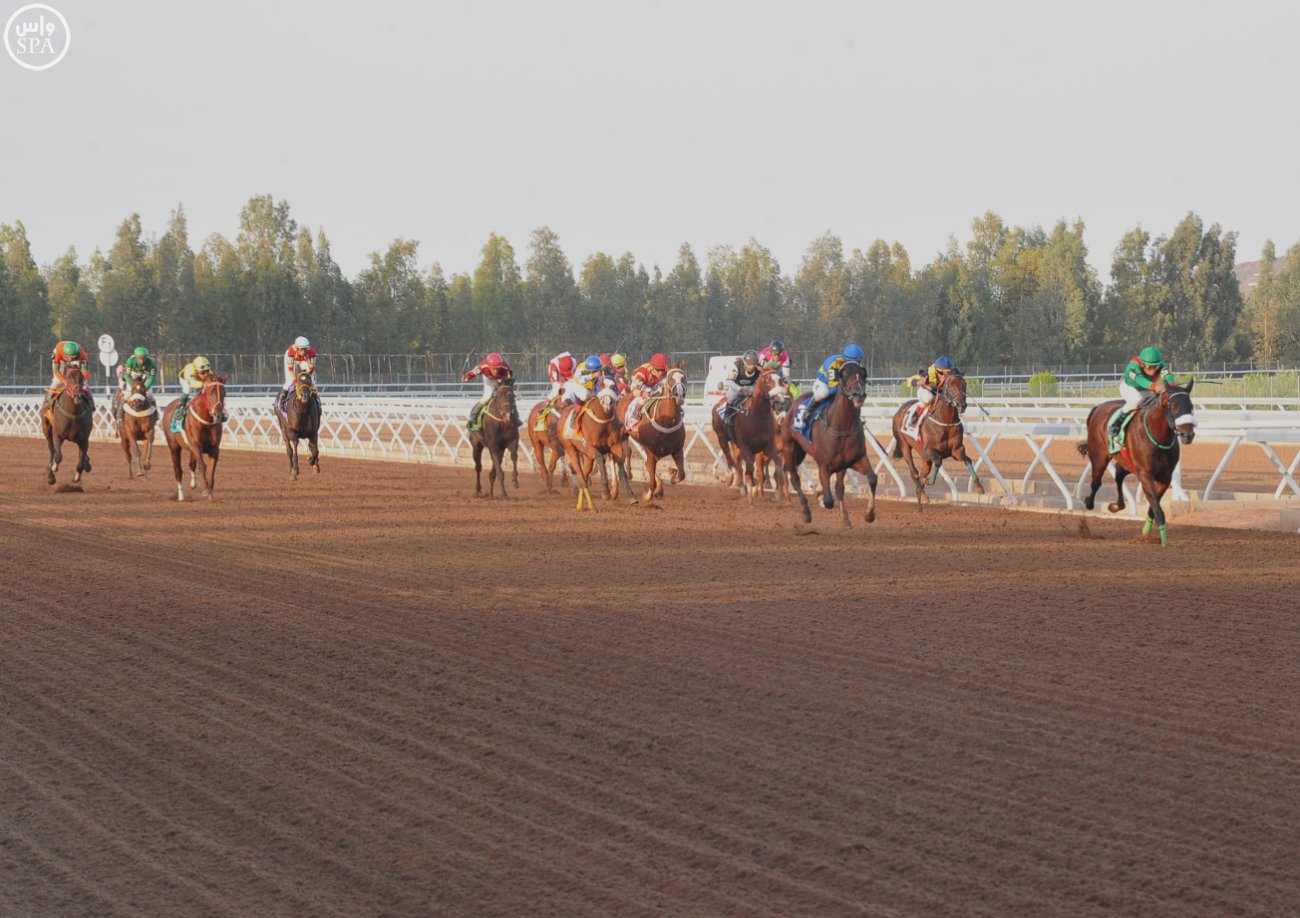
(302, 385)
(607, 393)
(214, 393)
(1177, 402)
(74, 382)
(675, 383)
(853, 383)
(139, 392)
(780, 396)
(503, 399)
(953, 391)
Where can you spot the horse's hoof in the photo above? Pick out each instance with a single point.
(1114, 508)
(49, 478)
(871, 516)
(1088, 503)
(807, 516)
(922, 498)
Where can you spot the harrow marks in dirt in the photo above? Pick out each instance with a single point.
(370, 694)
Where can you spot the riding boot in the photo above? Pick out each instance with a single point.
(1115, 426)
(473, 416)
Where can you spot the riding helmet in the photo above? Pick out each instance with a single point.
(854, 351)
(750, 358)
(71, 349)
(141, 352)
(201, 363)
(1151, 356)
(592, 363)
(618, 360)
(301, 341)
(943, 363)
(494, 359)
(659, 361)
(777, 347)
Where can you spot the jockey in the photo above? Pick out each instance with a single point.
(494, 370)
(298, 356)
(606, 367)
(740, 382)
(67, 354)
(650, 375)
(579, 388)
(776, 357)
(1147, 372)
(560, 370)
(618, 367)
(197, 372)
(828, 380)
(927, 383)
(138, 366)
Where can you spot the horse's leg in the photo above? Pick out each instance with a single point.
(839, 495)
(651, 476)
(201, 461)
(863, 468)
(147, 462)
(679, 460)
(1120, 474)
(290, 443)
(194, 464)
(622, 454)
(828, 496)
(604, 476)
(210, 474)
(127, 438)
(514, 464)
(478, 466)
(1155, 492)
(175, 449)
(314, 445)
(791, 461)
(82, 464)
(959, 453)
(56, 456)
(935, 458)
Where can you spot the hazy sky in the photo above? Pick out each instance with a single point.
(636, 126)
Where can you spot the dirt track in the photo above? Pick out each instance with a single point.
(369, 693)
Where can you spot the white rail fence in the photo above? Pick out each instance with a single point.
(1024, 447)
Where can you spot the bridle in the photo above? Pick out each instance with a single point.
(674, 385)
(508, 391)
(211, 405)
(957, 401)
(852, 388)
(1167, 407)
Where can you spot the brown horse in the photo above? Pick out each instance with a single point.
(69, 414)
(838, 443)
(498, 434)
(940, 436)
(1149, 451)
(660, 428)
(545, 440)
(138, 424)
(200, 435)
(300, 420)
(755, 439)
(590, 431)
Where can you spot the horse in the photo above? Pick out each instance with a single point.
(300, 420)
(838, 443)
(547, 440)
(587, 435)
(660, 428)
(200, 435)
(1150, 449)
(138, 424)
(69, 414)
(755, 439)
(498, 434)
(940, 436)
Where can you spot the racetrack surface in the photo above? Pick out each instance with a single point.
(369, 693)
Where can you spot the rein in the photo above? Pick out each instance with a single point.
(489, 413)
(1173, 434)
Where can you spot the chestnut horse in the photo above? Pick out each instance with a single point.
(756, 438)
(838, 443)
(200, 435)
(660, 428)
(940, 436)
(1150, 449)
(498, 434)
(588, 432)
(545, 440)
(69, 415)
(139, 421)
(300, 420)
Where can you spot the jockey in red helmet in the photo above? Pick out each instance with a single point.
(495, 370)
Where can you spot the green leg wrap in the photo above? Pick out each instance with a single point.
(1146, 527)
(1164, 537)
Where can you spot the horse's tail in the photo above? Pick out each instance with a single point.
(898, 448)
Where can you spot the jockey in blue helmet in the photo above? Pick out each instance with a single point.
(583, 382)
(828, 380)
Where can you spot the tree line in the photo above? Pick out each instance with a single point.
(1006, 296)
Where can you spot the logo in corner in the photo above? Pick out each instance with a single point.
(37, 36)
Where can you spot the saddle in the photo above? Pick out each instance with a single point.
(178, 418)
(813, 415)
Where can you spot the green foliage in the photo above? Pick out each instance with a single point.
(1042, 384)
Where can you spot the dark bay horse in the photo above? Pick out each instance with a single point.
(838, 443)
(1150, 449)
(590, 431)
(498, 434)
(200, 435)
(660, 428)
(756, 437)
(544, 437)
(940, 436)
(69, 415)
(138, 425)
(301, 421)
